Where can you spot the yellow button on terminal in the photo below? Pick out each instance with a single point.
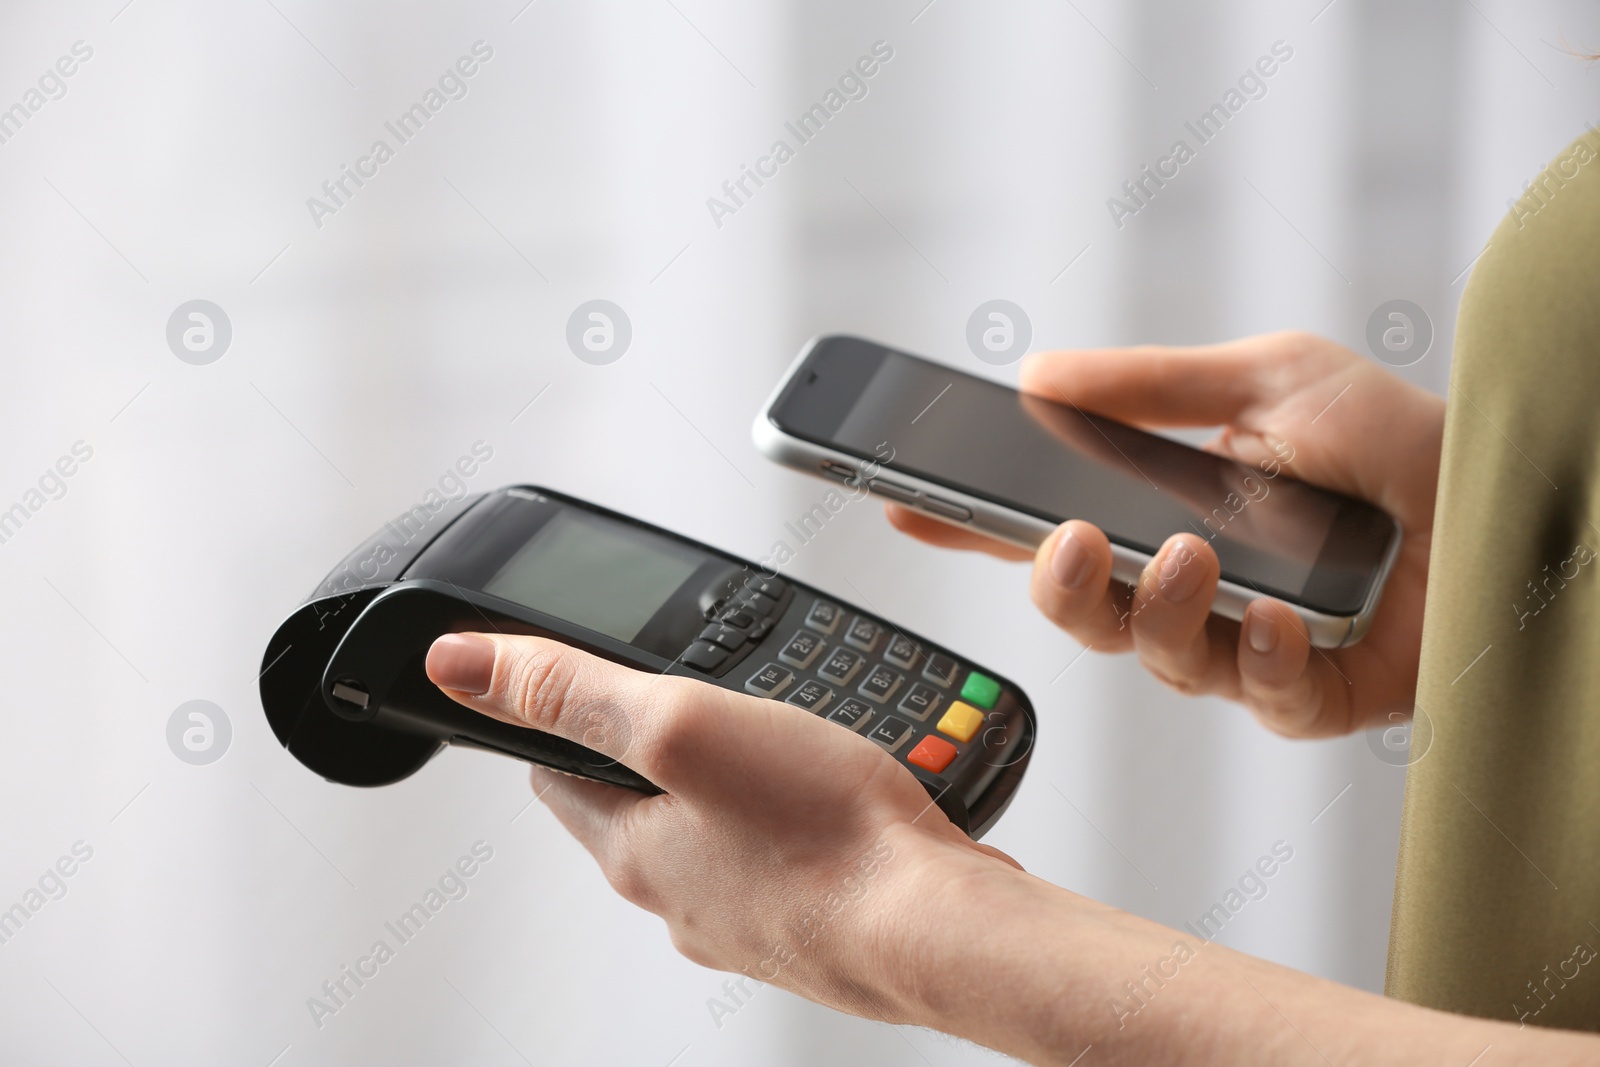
(961, 721)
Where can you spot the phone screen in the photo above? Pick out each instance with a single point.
(1050, 460)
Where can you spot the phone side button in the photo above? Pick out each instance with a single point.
(838, 470)
(899, 493)
(947, 510)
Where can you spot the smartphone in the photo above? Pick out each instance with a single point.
(1014, 466)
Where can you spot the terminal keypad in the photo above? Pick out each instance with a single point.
(913, 701)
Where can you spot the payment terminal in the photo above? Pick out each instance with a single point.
(344, 689)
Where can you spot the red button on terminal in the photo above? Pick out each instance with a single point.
(932, 754)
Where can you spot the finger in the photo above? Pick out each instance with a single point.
(1171, 609)
(1072, 586)
(1154, 385)
(1281, 683)
(663, 727)
(588, 810)
(597, 816)
(945, 535)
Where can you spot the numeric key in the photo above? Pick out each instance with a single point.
(863, 633)
(802, 649)
(881, 684)
(842, 666)
(824, 617)
(920, 702)
(852, 713)
(812, 695)
(902, 652)
(769, 681)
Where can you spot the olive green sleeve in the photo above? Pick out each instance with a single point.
(1497, 897)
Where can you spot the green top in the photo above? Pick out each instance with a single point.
(1497, 899)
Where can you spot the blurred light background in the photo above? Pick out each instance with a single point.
(371, 351)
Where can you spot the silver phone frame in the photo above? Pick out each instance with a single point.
(1027, 532)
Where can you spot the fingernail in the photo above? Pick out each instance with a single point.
(1261, 632)
(1071, 563)
(463, 662)
(1178, 573)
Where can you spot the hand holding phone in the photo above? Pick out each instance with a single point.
(1295, 409)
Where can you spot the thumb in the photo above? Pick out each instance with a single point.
(636, 719)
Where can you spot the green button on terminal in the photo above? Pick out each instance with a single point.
(981, 690)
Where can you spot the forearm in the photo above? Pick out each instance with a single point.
(1017, 964)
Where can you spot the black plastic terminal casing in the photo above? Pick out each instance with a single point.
(344, 689)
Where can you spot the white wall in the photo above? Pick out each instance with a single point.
(369, 353)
